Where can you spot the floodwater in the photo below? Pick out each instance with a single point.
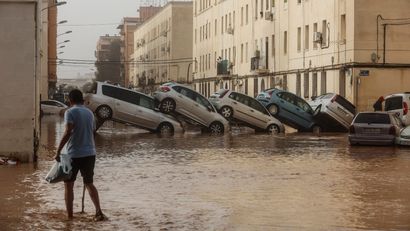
(240, 181)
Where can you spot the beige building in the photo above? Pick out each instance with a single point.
(20, 78)
(309, 47)
(163, 47)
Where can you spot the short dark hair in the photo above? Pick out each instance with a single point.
(76, 96)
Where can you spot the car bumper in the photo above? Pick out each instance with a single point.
(402, 141)
(372, 140)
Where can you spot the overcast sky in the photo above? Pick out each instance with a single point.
(80, 14)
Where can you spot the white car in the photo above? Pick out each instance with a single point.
(404, 137)
(333, 110)
(399, 104)
(179, 99)
(110, 102)
(240, 107)
(49, 107)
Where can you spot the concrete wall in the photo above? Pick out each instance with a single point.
(20, 76)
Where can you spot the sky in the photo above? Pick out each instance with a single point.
(83, 40)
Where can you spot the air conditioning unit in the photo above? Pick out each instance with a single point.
(317, 37)
(230, 30)
(268, 16)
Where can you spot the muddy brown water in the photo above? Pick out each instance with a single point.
(240, 181)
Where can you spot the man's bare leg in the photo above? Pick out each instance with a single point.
(69, 198)
(94, 197)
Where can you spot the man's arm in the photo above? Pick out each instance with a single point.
(67, 133)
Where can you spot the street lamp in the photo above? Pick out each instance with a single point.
(65, 41)
(67, 32)
(55, 5)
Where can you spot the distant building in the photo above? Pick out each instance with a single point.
(308, 47)
(163, 47)
(20, 43)
(108, 54)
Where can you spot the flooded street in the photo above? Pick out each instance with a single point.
(240, 181)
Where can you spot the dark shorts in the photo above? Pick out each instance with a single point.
(86, 166)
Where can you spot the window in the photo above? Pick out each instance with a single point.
(307, 37)
(186, 92)
(303, 105)
(306, 85)
(288, 97)
(314, 84)
(299, 1)
(242, 53)
(323, 83)
(246, 86)
(222, 24)
(247, 14)
(267, 4)
(246, 53)
(216, 27)
(393, 103)
(324, 33)
(256, 9)
(273, 45)
(241, 16)
(285, 42)
(342, 83)
(285, 82)
(299, 39)
(127, 96)
(146, 102)
(314, 31)
(298, 85)
(253, 103)
(347, 105)
(372, 118)
(109, 91)
(343, 29)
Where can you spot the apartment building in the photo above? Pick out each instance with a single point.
(163, 47)
(308, 47)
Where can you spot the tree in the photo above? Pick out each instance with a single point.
(109, 66)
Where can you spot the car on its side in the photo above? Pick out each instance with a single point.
(290, 109)
(399, 104)
(177, 98)
(333, 110)
(374, 128)
(404, 137)
(236, 106)
(111, 102)
(49, 107)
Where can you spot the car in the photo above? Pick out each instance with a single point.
(236, 106)
(374, 128)
(333, 110)
(404, 137)
(111, 102)
(174, 98)
(290, 109)
(49, 107)
(399, 103)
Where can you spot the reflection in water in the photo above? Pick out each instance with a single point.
(241, 181)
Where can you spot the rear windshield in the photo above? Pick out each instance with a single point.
(326, 96)
(346, 104)
(218, 93)
(393, 103)
(372, 118)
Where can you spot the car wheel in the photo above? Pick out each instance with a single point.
(226, 112)
(165, 128)
(273, 109)
(273, 129)
(317, 110)
(104, 112)
(216, 128)
(167, 106)
(316, 129)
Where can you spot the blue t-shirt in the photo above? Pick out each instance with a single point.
(81, 142)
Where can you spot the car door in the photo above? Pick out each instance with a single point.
(304, 113)
(258, 114)
(394, 104)
(287, 108)
(202, 109)
(145, 114)
(185, 101)
(125, 105)
(239, 107)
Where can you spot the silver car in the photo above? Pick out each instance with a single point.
(375, 128)
(333, 110)
(177, 98)
(110, 102)
(240, 107)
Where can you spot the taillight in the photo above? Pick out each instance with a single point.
(223, 94)
(392, 130)
(165, 89)
(352, 130)
(405, 108)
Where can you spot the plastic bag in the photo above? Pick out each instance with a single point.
(60, 171)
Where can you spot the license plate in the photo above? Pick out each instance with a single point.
(372, 130)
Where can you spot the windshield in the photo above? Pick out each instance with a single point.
(372, 118)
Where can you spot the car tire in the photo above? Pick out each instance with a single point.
(273, 109)
(216, 128)
(317, 110)
(316, 129)
(167, 106)
(165, 129)
(226, 112)
(273, 129)
(104, 112)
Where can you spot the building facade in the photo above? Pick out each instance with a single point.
(308, 47)
(20, 78)
(163, 47)
(108, 54)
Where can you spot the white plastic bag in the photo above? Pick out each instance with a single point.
(60, 171)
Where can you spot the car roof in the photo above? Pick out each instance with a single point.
(112, 85)
(397, 95)
(172, 84)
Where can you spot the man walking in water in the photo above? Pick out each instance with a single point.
(79, 138)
